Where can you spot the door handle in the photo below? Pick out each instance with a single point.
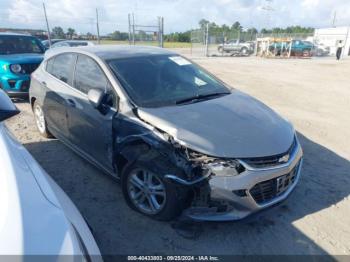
(71, 102)
(43, 83)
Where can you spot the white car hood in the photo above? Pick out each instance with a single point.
(31, 220)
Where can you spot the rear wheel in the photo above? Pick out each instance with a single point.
(244, 51)
(41, 121)
(147, 192)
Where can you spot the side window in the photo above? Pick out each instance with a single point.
(62, 67)
(49, 65)
(88, 75)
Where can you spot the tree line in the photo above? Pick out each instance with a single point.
(59, 33)
(226, 31)
(236, 29)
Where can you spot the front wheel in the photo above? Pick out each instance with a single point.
(149, 193)
(306, 53)
(41, 121)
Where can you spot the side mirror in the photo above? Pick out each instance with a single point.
(95, 97)
(7, 108)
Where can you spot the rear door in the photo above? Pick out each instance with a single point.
(89, 129)
(58, 84)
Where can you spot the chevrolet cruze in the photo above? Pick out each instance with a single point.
(179, 139)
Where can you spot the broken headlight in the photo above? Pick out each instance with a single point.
(225, 168)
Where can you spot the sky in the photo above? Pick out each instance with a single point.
(179, 15)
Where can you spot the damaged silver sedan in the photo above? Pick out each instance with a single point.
(180, 140)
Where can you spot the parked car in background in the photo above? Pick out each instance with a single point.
(72, 43)
(298, 48)
(236, 47)
(20, 55)
(321, 50)
(53, 41)
(179, 139)
(37, 217)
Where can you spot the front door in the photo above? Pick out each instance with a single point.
(90, 130)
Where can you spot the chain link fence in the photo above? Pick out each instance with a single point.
(146, 34)
(208, 42)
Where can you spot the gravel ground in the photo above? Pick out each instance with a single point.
(313, 94)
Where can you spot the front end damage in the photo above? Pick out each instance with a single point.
(220, 189)
(227, 189)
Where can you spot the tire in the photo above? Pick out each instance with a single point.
(244, 51)
(40, 121)
(170, 205)
(306, 53)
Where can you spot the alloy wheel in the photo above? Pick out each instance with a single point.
(39, 119)
(146, 191)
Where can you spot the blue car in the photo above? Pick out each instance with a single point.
(20, 55)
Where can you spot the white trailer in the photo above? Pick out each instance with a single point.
(331, 37)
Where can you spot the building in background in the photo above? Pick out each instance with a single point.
(331, 38)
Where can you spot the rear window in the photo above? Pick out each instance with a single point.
(62, 67)
(19, 45)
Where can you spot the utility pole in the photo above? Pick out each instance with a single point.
(98, 27)
(161, 31)
(129, 21)
(133, 29)
(47, 25)
(207, 40)
(334, 18)
(269, 9)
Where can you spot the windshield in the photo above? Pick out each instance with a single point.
(78, 43)
(163, 80)
(19, 45)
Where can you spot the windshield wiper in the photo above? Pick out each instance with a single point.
(198, 98)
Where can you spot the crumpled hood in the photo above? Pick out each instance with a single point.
(22, 58)
(232, 126)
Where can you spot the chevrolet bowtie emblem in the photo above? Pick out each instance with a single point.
(284, 159)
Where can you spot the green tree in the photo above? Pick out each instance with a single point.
(203, 23)
(236, 26)
(70, 32)
(58, 32)
(117, 35)
(252, 31)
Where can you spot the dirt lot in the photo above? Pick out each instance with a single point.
(313, 94)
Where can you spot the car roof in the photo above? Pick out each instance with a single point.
(55, 39)
(76, 41)
(14, 34)
(109, 52)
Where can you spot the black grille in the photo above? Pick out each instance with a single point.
(271, 161)
(25, 86)
(28, 68)
(266, 191)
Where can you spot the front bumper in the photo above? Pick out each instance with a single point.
(15, 85)
(237, 197)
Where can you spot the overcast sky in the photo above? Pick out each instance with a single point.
(179, 15)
